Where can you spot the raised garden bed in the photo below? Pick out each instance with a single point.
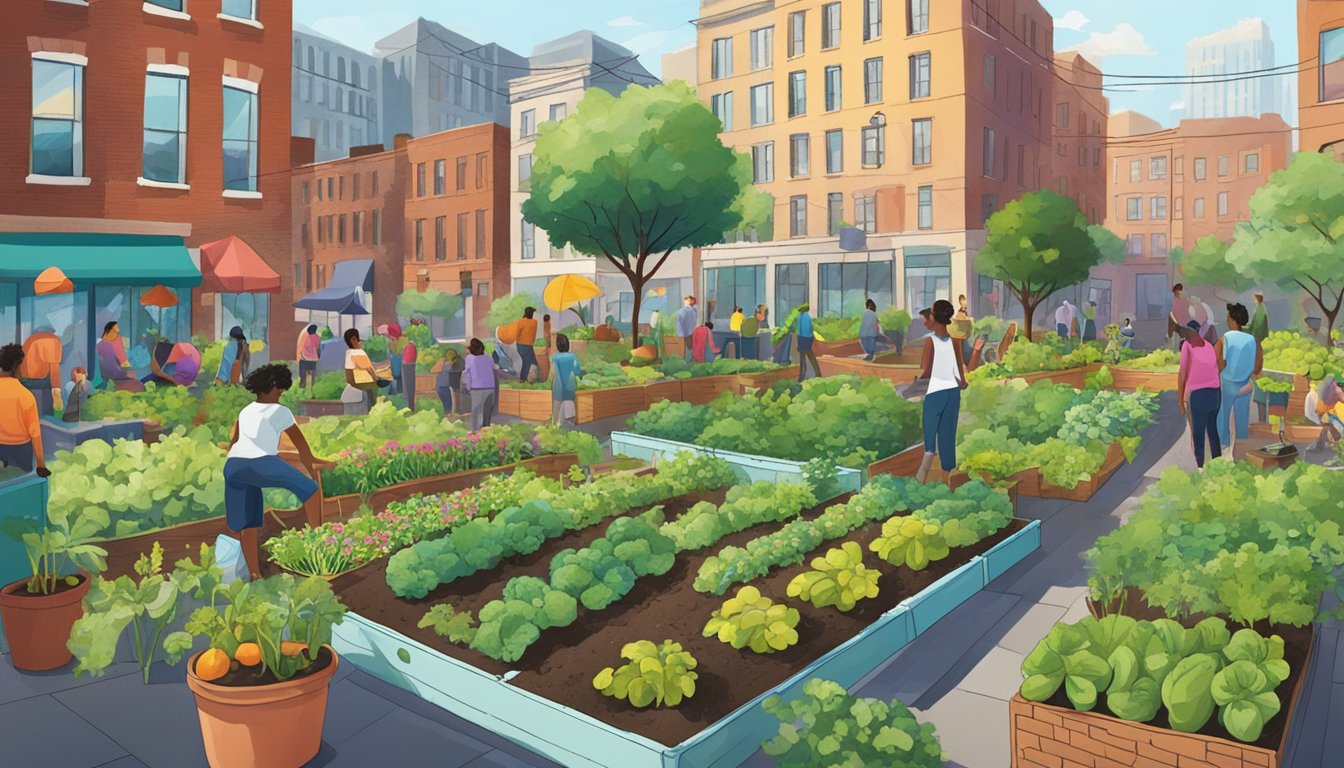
(657, 391)
(546, 701)
(526, 404)
(1293, 433)
(1132, 379)
(1032, 484)
(898, 374)
(63, 436)
(843, 348)
(763, 380)
(904, 464)
(316, 408)
(705, 389)
(1074, 377)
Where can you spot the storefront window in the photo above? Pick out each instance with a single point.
(843, 288)
(9, 313)
(141, 326)
(250, 311)
(928, 276)
(67, 316)
(729, 287)
(790, 289)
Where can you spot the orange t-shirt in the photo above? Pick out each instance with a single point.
(19, 421)
(527, 331)
(41, 356)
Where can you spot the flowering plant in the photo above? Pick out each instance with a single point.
(362, 471)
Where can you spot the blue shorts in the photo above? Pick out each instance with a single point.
(244, 481)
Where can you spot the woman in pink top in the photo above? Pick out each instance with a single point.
(310, 349)
(1199, 377)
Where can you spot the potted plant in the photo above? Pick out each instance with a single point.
(39, 611)
(261, 686)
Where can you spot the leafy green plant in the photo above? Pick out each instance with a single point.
(449, 624)
(911, 542)
(657, 675)
(148, 607)
(1161, 359)
(555, 440)
(1274, 386)
(837, 578)
(895, 320)
(63, 544)
(1187, 692)
(1290, 351)
(844, 731)
(1065, 657)
(752, 620)
(510, 625)
(1245, 698)
(744, 506)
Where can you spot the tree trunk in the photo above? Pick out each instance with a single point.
(637, 282)
(1028, 312)
(1330, 327)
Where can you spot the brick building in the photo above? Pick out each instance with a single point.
(1320, 79)
(139, 132)
(1080, 116)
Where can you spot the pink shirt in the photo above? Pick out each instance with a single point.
(1201, 367)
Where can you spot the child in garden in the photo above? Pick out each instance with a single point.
(253, 464)
(943, 368)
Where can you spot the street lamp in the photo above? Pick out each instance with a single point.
(878, 119)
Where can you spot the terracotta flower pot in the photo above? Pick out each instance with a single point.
(266, 726)
(38, 626)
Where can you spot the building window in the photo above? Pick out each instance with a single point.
(440, 238)
(790, 287)
(797, 32)
(721, 58)
(1134, 247)
(991, 77)
(842, 289)
(728, 287)
(1062, 115)
(527, 123)
(830, 25)
(1222, 203)
(987, 154)
(331, 188)
(925, 217)
(835, 151)
(305, 193)
(921, 141)
(1159, 245)
(440, 176)
(357, 226)
(799, 148)
(1064, 185)
(1222, 165)
(872, 80)
(419, 180)
(558, 112)
(721, 104)
(373, 183)
(928, 275)
(239, 9)
(763, 162)
(1198, 208)
(832, 88)
(1021, 165)
(1332, 64)
(797, 94)
(355, 184)
(1135, 171)
(1157, 168)
(463, 225)
(172, 5)
(872, 19)
(1158, 207)
(1200, 168)
(524, 172)
(763, 104)
(762, 47)
(1096, 157)
(1134, 209)
(321, 231)
(529, 241)
(165, 148)
(480, 234)
(865, 212)
(920, 65)
(874, 145)
(340, 181)
(482, 161)
(240, 139)
(419, 239)
(798, 216)
(835, 212)
(1251, 164)
(917, 19)
(461, 174)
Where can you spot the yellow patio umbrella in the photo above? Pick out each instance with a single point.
(51, 282)
(566, 291)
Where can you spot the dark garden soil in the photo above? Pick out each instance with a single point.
(239, 676)
(562, 664)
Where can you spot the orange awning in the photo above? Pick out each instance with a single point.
(231, 266)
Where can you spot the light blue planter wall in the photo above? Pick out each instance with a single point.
(572, 738)
(59, 436)
(749, 468)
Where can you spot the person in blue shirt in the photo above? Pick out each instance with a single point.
(805, 339)
(237, 358)
(565, 375)
(1240, 360)
(686, 323)
(1127, 334)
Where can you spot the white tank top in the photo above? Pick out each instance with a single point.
(943, 374)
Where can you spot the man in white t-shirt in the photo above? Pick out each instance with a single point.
(253, 464)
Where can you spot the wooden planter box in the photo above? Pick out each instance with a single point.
(904, 464)
(315, 408)
(1074, 377)
(1032, 484)
(526, 404)
(763, 380)
(837, 348)
(1129, 380)
(595, 404)
(898, 375)
(673, 346)
(659, 391)
(1293, 433)
(703, 390)
(426, 385)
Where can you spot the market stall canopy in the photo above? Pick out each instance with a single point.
(159, 296)
(51, 282)
(344, 295)
(231, 266)
(90, 259)
(567, 290)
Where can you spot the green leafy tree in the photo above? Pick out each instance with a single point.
(634, 178)
(1207, 264)
(1109, 245)
(1295, 237)
(1036, 245)
(508, 308)
(429, 303)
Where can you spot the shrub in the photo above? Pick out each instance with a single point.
(658, 675)
(838, 578)
(752, 620)
(841, 730)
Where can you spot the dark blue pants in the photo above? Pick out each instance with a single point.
(528, 354)
(1204, 404)
(750, 348)
(941, 410)
(244, 481)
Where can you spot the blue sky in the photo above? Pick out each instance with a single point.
(1136, 36)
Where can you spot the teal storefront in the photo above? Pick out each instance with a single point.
(110, 272)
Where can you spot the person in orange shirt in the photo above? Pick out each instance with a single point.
(20, 424)
(40, 371)
(527, 336)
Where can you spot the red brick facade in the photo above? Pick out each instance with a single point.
(120, 40)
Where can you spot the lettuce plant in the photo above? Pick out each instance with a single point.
(911, 542)
(1187, 693)
(510, 625)
(1065, 657)
(848, 732)
(744, 506)
(657, 675)
(752, 620)
(1245, 698)
(838, 578)
(448, 623)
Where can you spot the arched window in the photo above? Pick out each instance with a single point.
(340, 68)
(354, 74)
(312, 59)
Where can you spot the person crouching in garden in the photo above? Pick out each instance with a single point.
(942, 366)
(254, 465)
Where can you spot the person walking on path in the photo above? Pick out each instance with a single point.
(702, 343)
(942, 366)
(237, 358)
(686, 322)
(805, 341)
(565, 373)
(1259, 327)
(20, 423)
(41, 369)
(481, 379)
(1240, 359)
(735, 333)
(527, 338)
(308, 351)
(751, 328)
(1199, 392)
(254, 464)
(113, 366)
(1064, 320)
(869, 330)
(1090, 321)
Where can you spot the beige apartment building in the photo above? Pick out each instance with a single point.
(912, 120)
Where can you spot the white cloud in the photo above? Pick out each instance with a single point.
(1074, 20)
(1178, 105)
(647, 42)
(362, 31)
(1124, 40)
(625, 21)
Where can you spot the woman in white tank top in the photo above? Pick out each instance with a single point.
(942, 366)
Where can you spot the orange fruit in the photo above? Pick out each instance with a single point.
(288, 648)
(212, 665)
(248, 654)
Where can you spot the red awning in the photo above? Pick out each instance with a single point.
(231, 266)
